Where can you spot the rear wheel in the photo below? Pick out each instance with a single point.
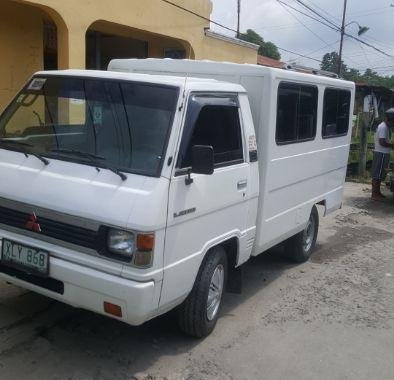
(300, 247)
(200, 311)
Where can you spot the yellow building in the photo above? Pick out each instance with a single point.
(60, 34)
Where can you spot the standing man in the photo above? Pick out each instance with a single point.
(381, 156)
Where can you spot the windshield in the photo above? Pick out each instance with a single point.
(124, 124)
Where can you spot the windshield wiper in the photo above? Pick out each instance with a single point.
(93, 158)
(78, 153)
(21, 144)
(117, 172)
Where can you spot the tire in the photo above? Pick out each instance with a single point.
(195, 318)
(300, 247)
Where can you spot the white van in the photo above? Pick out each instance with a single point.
(131, 194)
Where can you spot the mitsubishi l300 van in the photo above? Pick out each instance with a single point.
(131, 194)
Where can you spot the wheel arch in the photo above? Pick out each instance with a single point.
(231, 246)
(323, 204)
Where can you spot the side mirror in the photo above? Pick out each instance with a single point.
(202, 159)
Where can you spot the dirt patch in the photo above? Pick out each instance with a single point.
(347, 240)
(383, 209)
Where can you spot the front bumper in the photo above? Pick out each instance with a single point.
(89, 288)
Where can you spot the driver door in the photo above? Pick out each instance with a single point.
(212, 207)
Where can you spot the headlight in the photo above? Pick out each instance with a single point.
(121, 242)
(135, 247)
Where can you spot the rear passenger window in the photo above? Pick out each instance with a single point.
(296, 113)
(336, 112)
(216, 125)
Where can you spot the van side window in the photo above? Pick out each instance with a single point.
(216, 124)
(336, 111)
(296, 113)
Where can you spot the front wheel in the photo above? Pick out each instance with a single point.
(200, 311)
(300, 247)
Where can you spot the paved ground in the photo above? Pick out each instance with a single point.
(331, 318)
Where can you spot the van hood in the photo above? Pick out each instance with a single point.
(138, 203)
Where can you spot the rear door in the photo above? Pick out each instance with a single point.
(212, 207)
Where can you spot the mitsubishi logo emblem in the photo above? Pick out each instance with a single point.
(32, 223)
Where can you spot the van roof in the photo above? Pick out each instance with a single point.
(195, 84)
(199, 68)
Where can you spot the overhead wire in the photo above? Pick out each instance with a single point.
(323, 47)
(332, 26)
(369, 10)
(328, 23)
(305, 26)
(230, 29)
(336, 28)
(199, 15)
(316, 13)
(335, 18)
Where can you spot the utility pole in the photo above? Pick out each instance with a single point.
(342, 37)
(239, 18)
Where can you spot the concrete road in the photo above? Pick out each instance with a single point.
(331, 318)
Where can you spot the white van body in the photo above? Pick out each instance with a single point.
(292, 177)
(69, 209)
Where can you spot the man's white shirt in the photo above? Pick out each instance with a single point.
(382, 132)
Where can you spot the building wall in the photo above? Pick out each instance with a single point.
(21, 47)
(160, 24)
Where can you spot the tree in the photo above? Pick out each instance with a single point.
(370, 77)
(330, 62)
(352, 74)
(268, 49)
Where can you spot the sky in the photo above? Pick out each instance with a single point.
(293, 31)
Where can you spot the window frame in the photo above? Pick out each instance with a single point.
(211, 96)
(323, 113)
(296, 141)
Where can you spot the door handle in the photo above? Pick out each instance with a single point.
(242, 184)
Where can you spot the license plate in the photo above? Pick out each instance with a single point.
(25, 258)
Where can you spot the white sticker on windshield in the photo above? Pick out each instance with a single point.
(252, 143)
(77, 102)
(97, 115)
(20, 98)
(37, 84)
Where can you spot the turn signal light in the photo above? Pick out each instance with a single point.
(145, 242)
(143, 256)
(113, 309)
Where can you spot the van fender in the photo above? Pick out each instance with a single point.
(180, 276)
(230, 243)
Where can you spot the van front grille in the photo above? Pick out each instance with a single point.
(54, 229)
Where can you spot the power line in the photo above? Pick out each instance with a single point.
(230, 29)
(368, 44)
(382, 67)
(363, 51)
(335, 27)
(323, 47)
(300, 55)
(316, 13)
(336, 19)
(306, 27)
(198, 15)
(383, 45)
(283, 26)
(369, 10)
